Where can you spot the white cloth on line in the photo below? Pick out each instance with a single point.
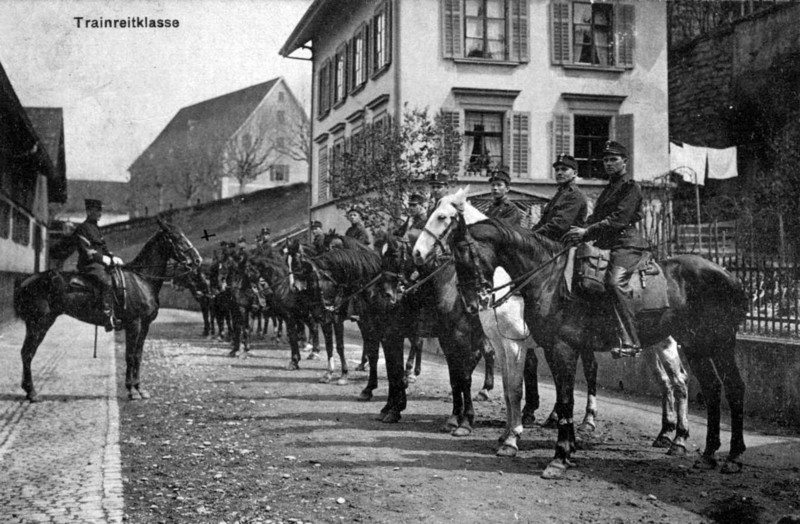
(722, 163)
(689, 162)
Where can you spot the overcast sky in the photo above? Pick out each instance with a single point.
(120, 87)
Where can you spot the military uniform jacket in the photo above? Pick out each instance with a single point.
(618, 209)
(317, 246)
(506, 211)
(567, 208)
(91, 245)
(359, 232)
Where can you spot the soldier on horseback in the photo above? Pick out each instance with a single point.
(317, 239)
(613, 226)
(502, 208)
(94, 259)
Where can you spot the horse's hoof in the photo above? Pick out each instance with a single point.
(32, 398)
(556, 469)
(143, 393)
(506, 450)
(482, 395)
(342, 381)
(411, 379)
(662, 441)
(365, 396)
(705, 462)
(312, 356)
(528, 419)
(134, 395)
(325, 379)
(293, 366)
(380, 416)
(392, 417)
(676, 450)
(361, 367)
(550, 423)
(232, 353)
(461, 431)
(586, 429)
(731, 466)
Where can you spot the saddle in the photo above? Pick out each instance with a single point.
(647, 287)
(79, 283)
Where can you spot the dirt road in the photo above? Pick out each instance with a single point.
(230, 440)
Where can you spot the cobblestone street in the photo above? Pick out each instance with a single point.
(59, 458)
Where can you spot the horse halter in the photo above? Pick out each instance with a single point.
(439, 239)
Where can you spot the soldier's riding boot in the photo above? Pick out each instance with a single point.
(630, 346)
(108, 309)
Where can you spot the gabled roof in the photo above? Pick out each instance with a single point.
(18, 139)
(49, 125)
(212, 123)
(316, 19)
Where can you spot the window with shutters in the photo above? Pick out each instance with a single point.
(21, 229)
(337, 160)
(323, 175)
(5, 219)
(591, 134)
(324, 90)
(359, 59)
(485, 30)
(483, 141)
(340, 76)
(592, 34)
(381, 39)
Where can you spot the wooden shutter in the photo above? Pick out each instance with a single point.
(561, 135)
(560, 34)
(322, 175)
(519, 31)
(452, 118)
(452, 29)
(520, 144)
(388, 33)
(624, 19)
(624, 135)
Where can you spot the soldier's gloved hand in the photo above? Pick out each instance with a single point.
(107, 260)
(117, 261)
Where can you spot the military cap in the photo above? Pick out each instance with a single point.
(355, 210)
(265, 231)
(316, 223)
(416, 198)
(615, 148)
(502, 175)
(441, 176)
(566, 160)
(93, 205)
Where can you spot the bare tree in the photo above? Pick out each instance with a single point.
(197, 171)
(296, 140)
(246, 158)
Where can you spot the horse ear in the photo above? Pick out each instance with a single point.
(160, 223)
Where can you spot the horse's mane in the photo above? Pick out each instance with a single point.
(516, 237)
(139, 260)
(348, 265)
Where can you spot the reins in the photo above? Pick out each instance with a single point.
(427, 278)
(524, 279)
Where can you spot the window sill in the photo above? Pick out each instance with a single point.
(358, 88)
(587, 67)
(486, 61)
(340, 103)
(323, 115)
(380, 71)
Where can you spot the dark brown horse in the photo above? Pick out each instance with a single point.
(41, 298)
(706, 306)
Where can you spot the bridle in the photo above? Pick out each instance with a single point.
(186, 263)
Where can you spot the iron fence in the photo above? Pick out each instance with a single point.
(773, 286)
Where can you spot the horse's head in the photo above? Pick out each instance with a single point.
(474, 267)
(332, 240)
(397, 265)
(441, 222)
(180, 248)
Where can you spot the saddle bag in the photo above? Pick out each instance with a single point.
(591, 265)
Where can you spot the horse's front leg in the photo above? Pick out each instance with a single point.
(488, 373)
(34, 334)
(327, 335)
(371, 348)
(135, 334)
(338, 333)
(563, 366)
(672, 380)
(589, 423)
(293, 325)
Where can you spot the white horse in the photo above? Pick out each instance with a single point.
(507, 332)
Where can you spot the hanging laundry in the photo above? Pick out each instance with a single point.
(722, 163)
(689, 162)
